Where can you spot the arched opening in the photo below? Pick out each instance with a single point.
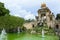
(32, 25)
(57, 26)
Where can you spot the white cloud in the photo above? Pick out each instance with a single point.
(25, 14)
(23, 8)
(16, 9)
(29, 16)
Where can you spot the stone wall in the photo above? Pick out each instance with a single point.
(28, 25)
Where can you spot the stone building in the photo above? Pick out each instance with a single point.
(28, 25)
(45, 16)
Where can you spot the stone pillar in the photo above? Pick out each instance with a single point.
(39, 16)
(48, 19)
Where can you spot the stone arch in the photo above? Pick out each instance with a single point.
(33, 25)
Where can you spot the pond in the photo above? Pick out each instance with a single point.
(27, 36)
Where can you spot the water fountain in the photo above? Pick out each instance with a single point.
(43, 18)
(3, 35)
(43, 33)
(18, 30)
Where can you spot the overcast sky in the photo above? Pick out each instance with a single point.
(28, 8)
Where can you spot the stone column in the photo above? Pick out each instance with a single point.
(47, 19)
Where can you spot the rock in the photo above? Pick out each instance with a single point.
(33, 32)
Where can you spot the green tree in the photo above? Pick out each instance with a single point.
(11, 22)
(3, 10)
(7, 21)
(58, 17)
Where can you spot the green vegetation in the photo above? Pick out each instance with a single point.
(58, 17)
(7, 21)
(10, 22)
(3, 10)
(30, 20)
(46, 30)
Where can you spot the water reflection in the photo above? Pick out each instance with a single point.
(42, 38)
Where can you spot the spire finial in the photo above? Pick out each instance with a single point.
(43, 5)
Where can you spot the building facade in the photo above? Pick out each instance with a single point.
(45, 16)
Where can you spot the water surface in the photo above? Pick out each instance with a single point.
(27, 36)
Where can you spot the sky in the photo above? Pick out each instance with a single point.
(28, 8)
